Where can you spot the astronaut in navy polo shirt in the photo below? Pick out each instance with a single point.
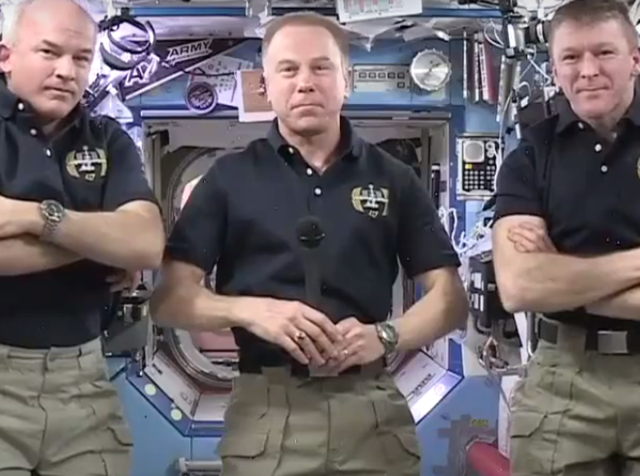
(75, 211)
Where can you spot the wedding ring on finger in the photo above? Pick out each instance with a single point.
(300, 336)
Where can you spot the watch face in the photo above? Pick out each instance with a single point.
(393, 332)
(388, 336)
(53, 210)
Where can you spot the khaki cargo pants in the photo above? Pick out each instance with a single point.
(574, 410)
(60, 415)
(279, 425)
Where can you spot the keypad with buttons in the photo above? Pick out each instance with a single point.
(381, 78)
(478, 173)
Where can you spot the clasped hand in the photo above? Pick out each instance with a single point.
(360, 346)
(309, 336)
(123, 280)
(531, 238)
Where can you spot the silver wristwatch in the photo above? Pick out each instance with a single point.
(388, 335)
(52, 213)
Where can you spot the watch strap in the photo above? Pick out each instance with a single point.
(48, 230)
(52, 214)
(388, 336)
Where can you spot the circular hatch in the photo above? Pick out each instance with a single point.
(209, 357)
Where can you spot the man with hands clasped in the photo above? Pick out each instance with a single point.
(313, 396)
(311, 338)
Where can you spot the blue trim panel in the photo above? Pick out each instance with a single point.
(163, 405)
(484, 13)
(135, 107)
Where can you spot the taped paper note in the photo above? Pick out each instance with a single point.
(214, 70)
(253, 105)
(361, 10)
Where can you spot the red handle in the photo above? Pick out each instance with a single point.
(487, 460)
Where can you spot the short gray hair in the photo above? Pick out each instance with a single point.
(309, 18)
(11, 13)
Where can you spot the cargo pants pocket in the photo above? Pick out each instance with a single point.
(530, 453)
(116, 449)
(395, 429)
(114, 443)
(546, 416)
(254, 427)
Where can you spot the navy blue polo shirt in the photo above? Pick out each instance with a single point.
(91, 165)
(242, 218)
(585, 187)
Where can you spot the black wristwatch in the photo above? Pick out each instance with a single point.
(388, 335)
(52, 213)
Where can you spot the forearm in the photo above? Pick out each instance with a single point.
(548, 282)
(437, 314)
(193, 307)
(26, 254)
(624, 305)
(121, 239)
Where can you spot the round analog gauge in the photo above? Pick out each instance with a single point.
(430, 70)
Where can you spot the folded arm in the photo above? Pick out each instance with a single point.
(21, 252)
(440, 311)
(127, 232)
(624, 305)
(26, 254)
(552, 282)
(130, 238)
